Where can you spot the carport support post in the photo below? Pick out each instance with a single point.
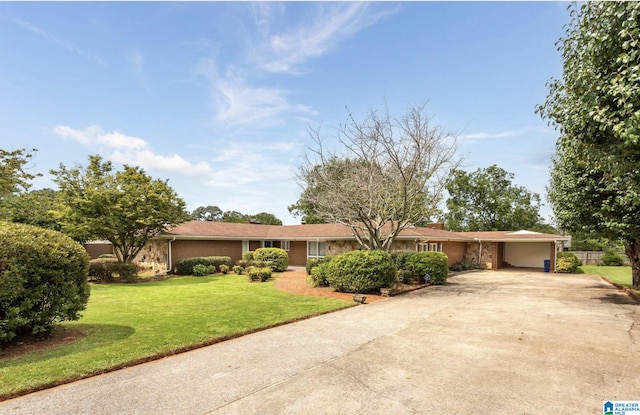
(552, 256)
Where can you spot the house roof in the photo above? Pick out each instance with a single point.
(515, 236)
(327, 231)
(332, 231)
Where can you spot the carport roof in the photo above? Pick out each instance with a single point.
(515, 236)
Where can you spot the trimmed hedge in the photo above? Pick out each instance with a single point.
(361, 271)
(259, 274)
(277, 256)
(433, 264)
(185, 266)
(567, 262)
(106, 269)
(43, 279)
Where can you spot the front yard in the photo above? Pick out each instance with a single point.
(619, 275)
(129, 323)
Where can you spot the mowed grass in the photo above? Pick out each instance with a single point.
(619, 275)
(128, 323)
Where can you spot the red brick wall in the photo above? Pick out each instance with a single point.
(456, 251)
(181, 249)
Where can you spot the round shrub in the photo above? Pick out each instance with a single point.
(278, 257)
(201, 270)
(361, 271)
(247, 256)
(43, 279)
(433, 264)
(611, 259)
(224, 268)
(259, 274)
(569, 264)
(238, 269)
(565, 265)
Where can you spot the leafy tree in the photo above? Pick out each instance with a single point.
(266, 218)
(13, 175)
(390, 175)
(33, 208)
(125, 207)
(306, 210)
(595, 180)
(208, 213)
(234, 217)
(487, 200)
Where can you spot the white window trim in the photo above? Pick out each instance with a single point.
(286, 245)
(317, 253)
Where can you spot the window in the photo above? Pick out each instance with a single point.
(285, 245)
(267, 244)
(245, 246)
(431, 246)
(316, 249)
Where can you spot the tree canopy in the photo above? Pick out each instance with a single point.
(14, 177)
(124, 207)
(487, 200)
(215, 214)
(389, 175)
(595, 179)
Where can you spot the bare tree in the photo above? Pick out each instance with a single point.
(390, 174)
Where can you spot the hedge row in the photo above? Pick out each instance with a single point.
(185, 266)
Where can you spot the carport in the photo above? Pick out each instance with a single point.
(519, 249)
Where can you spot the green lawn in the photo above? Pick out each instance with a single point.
(126, 323)
(619, 275)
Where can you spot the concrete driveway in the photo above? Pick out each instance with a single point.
(491, 342)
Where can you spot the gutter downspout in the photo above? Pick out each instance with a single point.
(170, 258)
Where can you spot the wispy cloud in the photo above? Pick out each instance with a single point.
(279, 44)
(486, 136)
(131, 150)
(329, 24)
(57, 40)
(136, 60)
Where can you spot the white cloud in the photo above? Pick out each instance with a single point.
(330, 24)
(131, 150)
(485, 136)
(278, 46)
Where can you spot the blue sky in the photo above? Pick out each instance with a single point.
(217, 97)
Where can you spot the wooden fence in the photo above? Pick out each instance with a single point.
(593, 257)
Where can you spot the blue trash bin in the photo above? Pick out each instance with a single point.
(547, 265)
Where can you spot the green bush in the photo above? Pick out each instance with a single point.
(319, 275)
(107, 269)
(201, 270)
(103, 256)
(611, 259)
(361, 271)
(565, 265)
(430, 265)
(462, 265)
(224, 268)
(278, 257)
(238, 269)
(185, 266)
(247, 256)
(43, 279)
(567, 262)
(259, 274)
(404, 276)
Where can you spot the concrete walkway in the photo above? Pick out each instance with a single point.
(486, 343)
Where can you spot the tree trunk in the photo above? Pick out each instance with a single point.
(632, 249)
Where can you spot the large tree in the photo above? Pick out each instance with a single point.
(14, 177)
(595, 179)
(124, 207)
(389, 175)
(487, 200)
(207, 213)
